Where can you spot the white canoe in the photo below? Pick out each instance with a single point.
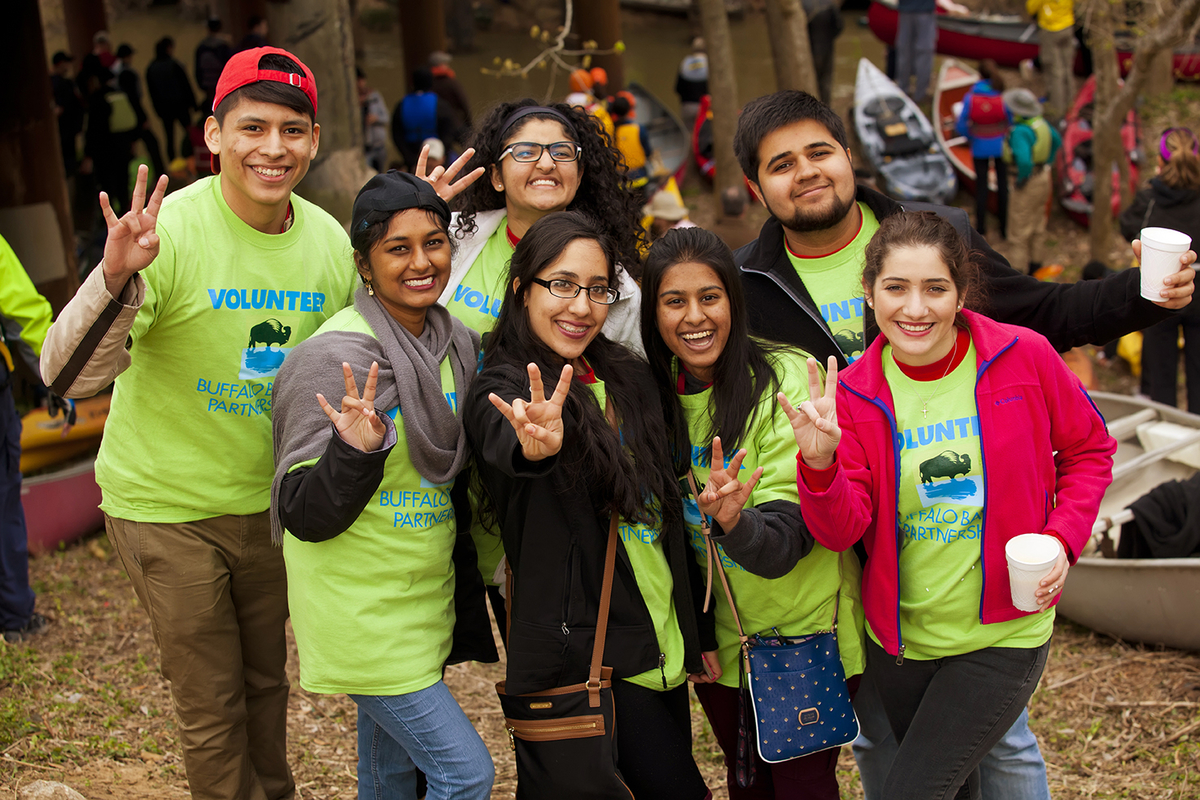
(1155, 601)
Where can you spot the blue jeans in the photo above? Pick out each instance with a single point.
(1013, 770)
(16, 598)
(398, 734)
(916, 39)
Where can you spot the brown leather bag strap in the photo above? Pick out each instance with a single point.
(711, 550)
(610, 563)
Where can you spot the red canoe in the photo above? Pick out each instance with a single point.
(1075, 157)
(61, 507)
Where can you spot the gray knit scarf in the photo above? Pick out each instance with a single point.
(409, 376)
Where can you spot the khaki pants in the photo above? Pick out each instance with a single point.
(1027, 218)
(1056, 49)
(216, 594)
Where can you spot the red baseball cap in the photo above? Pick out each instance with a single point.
(242, 70)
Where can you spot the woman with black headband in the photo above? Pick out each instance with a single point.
(1171, 201)
(538, 160)
(366, 501)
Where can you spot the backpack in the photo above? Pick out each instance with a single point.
(122, 119)
(986, 115)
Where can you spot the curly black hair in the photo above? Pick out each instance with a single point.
(600, 195)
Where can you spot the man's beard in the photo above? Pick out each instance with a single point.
(813, 220)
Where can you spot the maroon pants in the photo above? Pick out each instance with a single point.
(812, 777)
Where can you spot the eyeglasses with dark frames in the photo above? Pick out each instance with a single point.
(527, 152)
(568, 290)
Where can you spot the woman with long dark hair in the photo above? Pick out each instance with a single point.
(554, 469)
(718, 387)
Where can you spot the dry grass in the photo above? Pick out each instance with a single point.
(84, 704)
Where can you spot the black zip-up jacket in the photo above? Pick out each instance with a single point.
(1163, 206)
(555, 532)
(1068, 314)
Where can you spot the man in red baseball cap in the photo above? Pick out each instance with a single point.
(192, 312)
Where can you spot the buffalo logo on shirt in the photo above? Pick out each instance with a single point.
(265, 351)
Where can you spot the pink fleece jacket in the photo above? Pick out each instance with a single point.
(1047, 459)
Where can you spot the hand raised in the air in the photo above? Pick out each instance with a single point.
(815, 423)
(442, 178)
(538, 421)
(357, 423)
(132, 243)
(725, 495)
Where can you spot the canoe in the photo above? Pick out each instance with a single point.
(734, 8)
(1074, 159)
(1009, 39)
(898, 141)
(62, 506)
(45, 442)
(702, 140)
(668, 138)
(1155, 601)
(954, 81)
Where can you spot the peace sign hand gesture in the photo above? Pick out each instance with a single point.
(442, 178)
(815, 424)
(538, 423)
(357, 423)
(724, 495)
(132, 243)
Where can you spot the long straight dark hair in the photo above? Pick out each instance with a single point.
(642, 483)
(743, 372)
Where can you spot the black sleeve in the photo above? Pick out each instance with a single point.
(492, 435)
(1068, 314)
(1131, 218)
(317, 503)
(769, 540)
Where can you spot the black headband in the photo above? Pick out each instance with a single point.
(525, 111)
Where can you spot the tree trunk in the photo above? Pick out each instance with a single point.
(422, 31)
(600, 21)
(723, 87)
(319, 32)
(1112, 106)
(31, 166)
(795, 70)
(236, 14)
(83, 19)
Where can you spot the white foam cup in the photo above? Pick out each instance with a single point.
(1030, 556)
(1161, 249)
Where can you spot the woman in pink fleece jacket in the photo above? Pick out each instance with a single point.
(951, 435)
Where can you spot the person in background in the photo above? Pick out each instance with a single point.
(68, 110)
(584, 96)
(633, 142)
(825, 24)
(916, 38)
(447, 86)
(985, 120)
(256, 33)
(599, 83)
(1056, 52)
(420, 115)
(435, 154)
(374, 122)
(951, 658)
(666, 212)
(30, 314)
(131, 84)
(101, 56)
(211, 54)
(1030, 145)
(171, 95)
(354, 621)
(1172, 200)
(691, 83)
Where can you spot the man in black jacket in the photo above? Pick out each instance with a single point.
(802, 279)
(802, 273)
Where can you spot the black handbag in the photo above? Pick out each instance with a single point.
(793, 699)
(565, 738)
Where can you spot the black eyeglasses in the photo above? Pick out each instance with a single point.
(526, 152)
(568, 290)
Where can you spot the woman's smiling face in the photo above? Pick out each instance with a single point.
(915, 301)
(693, 314)
(533, 189)
(568, 325)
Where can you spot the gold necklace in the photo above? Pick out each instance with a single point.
(936, 386)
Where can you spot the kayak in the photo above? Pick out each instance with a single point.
(1076, 182)
(46, 440)
(898, 141)
(668, 138)
(61, 506)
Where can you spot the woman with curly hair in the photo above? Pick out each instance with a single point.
(538, 160)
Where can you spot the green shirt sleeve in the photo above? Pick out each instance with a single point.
(20, 302)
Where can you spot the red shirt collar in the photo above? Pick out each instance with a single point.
(941, 367)
(681, 384)
(513, 239)
(586, 377)
(794, 254)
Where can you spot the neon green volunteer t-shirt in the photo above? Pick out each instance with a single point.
(835, 284)
(644, 546)
(801, 601)
(476, 303)
(942, 496)
(373, 607)
(189, 433)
